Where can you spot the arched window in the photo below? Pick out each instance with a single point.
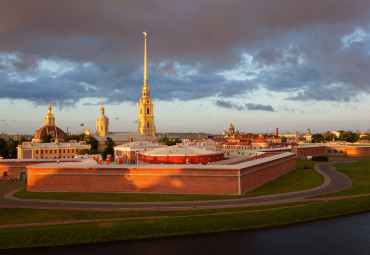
(148, 124)
(141, 111)
(147, 111)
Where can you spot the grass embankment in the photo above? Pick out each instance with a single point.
(303, 177)
(133, 229)
(359, 173)
(16, 215)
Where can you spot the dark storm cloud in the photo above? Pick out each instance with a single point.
(240, 107)
(297, 47)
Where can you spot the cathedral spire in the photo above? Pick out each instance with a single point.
(145, 63)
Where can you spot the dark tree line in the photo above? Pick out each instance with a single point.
(346, 136)
(8, 149)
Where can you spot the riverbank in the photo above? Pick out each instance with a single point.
(147, 224)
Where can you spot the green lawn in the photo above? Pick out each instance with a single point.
(359, 173)
(7, 186)
(304, 177)
(134, 229)
(23, 215)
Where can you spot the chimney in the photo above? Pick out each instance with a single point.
(131, 139)
(277, 132)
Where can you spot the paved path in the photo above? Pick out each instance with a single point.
(333, 182)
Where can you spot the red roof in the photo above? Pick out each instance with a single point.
(259, 140)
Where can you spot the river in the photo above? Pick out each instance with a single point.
(342, 235)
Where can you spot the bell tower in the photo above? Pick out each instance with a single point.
(146, 116)
(102, 123)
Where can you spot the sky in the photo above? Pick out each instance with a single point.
(259, 64)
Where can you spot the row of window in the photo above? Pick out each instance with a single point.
(147, 111)
(55, 151)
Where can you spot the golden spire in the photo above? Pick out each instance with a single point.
(49, 108)
(145, 63)
(102, 109)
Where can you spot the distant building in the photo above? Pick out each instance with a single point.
(128, 152)
(308, 135)
(49, 128)
(53, 150)
(180, 154)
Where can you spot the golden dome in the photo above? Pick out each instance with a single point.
(145, 88)
(87, 132)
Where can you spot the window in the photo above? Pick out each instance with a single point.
(76, 150)
(147, 111)
(41, 151)
(37, 152)
(64, 151)
(49, 121)
(51, 151)
(101, 127)
(147, 101)
(5, 174)
(60, 151)
(73, 151)
(141, 111)
(148, 124)
(68, 151)
(55, 151)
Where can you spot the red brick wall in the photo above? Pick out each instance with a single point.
(182, 180)
(254, 177)
(303, 152)
(185, 181)
(358, 151)
(14, 168)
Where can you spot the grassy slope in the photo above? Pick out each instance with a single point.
(122, 230)
(304, 177)
(359, 173)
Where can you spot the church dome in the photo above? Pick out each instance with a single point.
(54, 131)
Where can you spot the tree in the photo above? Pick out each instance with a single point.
(46, 138)
(4, 152)
(168, 142)
(87, 151)
(328, 136)
(348, 136)
(11, 146)
(283, 139)
(109, 149)
(317, 138)
(92, 141)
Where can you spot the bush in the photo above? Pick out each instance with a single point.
(320, 158)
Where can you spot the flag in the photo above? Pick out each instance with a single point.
(82, 124)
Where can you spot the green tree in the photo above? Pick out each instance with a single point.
(166, 141)
(348, 136)
(328, 136)
(109, 149)
(92, 141)
(4, 152)
(11, 146)
(46, 138)
(317, 138)
(283, 139)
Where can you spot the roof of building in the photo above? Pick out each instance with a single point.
(259, 140)
(53, 145)
(182, 150)
(54, 131)
(124, 136)
(138, 145)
